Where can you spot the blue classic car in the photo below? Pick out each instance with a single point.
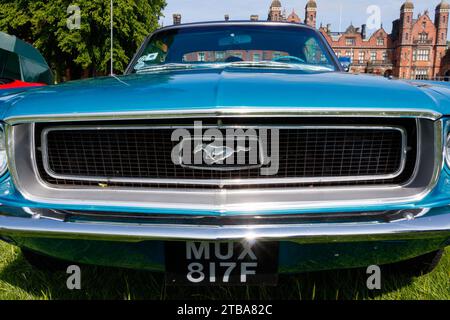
(229, 152)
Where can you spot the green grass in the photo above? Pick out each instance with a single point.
(18, 280)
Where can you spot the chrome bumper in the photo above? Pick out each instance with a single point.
(434, 223)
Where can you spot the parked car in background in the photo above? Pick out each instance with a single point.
(6, 83)
(229, 152)
(21, 65)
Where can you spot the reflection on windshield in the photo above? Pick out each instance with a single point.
(233, 55)
(214, 46)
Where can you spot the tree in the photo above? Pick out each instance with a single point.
(83, 51)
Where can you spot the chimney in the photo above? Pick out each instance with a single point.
(254, 17)
(176, 18)
(227, 17)
(364, 31)
(329, 27)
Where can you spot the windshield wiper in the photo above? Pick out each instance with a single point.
(261, 64)
(279, 65)
(168, 66)
(179, 66)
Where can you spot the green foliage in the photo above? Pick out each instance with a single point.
(84, 51)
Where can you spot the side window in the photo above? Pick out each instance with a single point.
(9, 65)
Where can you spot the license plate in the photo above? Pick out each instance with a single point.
(221, 263)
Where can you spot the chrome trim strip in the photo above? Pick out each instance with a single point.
(222, 220)
(426, 226)
(228, 112)
(224, 182)
(446, 155)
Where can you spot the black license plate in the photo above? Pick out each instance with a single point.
(221, 263)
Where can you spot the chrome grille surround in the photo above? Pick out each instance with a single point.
(22, 164)
(241, 179)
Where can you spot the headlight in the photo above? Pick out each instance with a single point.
(3, 159)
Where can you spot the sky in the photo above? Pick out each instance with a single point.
(353, 11)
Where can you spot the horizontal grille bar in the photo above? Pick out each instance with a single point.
(140, 156)
(167, 219)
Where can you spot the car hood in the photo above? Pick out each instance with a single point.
(227, 88)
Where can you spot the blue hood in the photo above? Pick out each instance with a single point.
(228, 88)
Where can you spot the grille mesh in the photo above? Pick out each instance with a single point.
(146, 153)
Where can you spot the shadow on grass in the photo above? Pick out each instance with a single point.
(113, 283)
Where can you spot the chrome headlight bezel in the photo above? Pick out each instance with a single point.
(447, 150)
(3, 153)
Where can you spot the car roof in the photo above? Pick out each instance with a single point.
(236, 23)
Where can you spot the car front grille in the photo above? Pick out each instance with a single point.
(311, 153)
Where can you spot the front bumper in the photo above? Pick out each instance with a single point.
(428, 224)
(302, 247)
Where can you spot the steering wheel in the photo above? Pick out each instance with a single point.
(290, 58)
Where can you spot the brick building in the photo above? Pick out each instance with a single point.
(416, 47)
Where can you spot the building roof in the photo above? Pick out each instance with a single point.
(407, 5)
(351, 29)
(311, 4)
(276, 3)
(443, 5)
(293, 17)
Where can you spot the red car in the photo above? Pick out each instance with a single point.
(13, 84)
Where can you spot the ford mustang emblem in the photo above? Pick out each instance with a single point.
(217, 154)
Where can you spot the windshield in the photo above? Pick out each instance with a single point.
(265, 46)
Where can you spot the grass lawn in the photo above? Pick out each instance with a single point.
(19, 281)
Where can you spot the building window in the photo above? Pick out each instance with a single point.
(201, 56)
(421, 55)
(373, 56)
(256, 57)
(423, 36)
(361, 56)
(385, 56)
(421, 74)
(424, 24)
(276, 55)
(350, 41)
(380, 42)
(349, 54)
(220, 56)
(407, 36)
